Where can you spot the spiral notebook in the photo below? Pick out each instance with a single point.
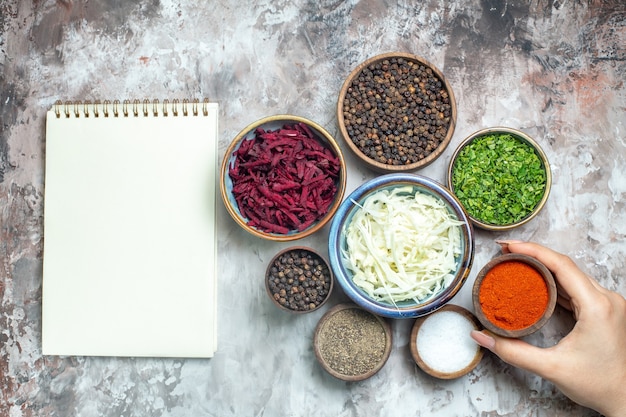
(129, 262)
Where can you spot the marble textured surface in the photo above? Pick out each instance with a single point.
(554, 69)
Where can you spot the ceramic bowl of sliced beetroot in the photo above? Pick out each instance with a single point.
(283, 177)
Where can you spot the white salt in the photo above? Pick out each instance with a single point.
(444, 342)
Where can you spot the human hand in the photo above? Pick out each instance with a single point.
(589, 364)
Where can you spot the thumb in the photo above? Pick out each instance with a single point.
(515, 352)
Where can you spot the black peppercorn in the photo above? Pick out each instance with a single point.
(396, 99)
(310, 283)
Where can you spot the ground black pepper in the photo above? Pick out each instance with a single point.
(299, 280)
(352, 342)
(397, 111)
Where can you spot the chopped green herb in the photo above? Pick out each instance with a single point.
(498, 178)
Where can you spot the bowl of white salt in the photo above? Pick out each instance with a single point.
(441, 344)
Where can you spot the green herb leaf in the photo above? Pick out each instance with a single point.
(498, 178)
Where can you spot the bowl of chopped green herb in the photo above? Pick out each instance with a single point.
(501, 176)
(282, 178)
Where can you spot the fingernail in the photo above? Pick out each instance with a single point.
(483, 339)
(507, 242)
(504, 244)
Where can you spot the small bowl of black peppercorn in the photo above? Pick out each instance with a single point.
(299, 280)
(396, 112)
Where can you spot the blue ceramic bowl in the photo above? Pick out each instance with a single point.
(337, 244)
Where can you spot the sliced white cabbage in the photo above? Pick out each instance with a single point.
(402, 244)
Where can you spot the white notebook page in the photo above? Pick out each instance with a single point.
(129, 235)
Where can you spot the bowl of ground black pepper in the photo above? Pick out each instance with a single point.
(501, 176)
(298, 280)
(351, 343)
(397, 112)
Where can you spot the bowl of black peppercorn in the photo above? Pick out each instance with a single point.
(298, 280)
(396, 112)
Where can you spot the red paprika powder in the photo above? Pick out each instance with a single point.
(513, 295)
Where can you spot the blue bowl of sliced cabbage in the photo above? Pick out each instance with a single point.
(401, 245)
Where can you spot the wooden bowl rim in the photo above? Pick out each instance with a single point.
(352, 378)
(523, 137)
(341, 182)
(552, 295)
(434, 372)
(298, 248)
(385, 168)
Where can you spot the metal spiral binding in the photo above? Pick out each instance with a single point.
(126, 108)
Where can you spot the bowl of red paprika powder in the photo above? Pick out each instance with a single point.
(514, 295)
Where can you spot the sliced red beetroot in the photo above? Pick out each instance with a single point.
(285, 179)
